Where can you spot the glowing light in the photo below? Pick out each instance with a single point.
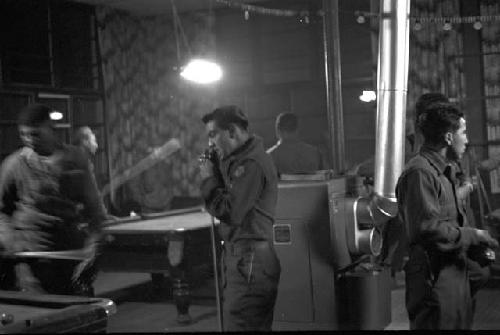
(361, 19)
(447, 25)
(202, 71)
(417, 26)
(477, 25)
(56, 115)
(368, 96)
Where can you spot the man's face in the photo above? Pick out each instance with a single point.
(219, 138)
(91, 142)
(459, 140)
(40, 138)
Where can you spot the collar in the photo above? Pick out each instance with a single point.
(289, 140)
(246, 147)
(437, 160)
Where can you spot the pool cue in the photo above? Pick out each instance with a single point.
(77, 254)
(146, 163)
(216, 275)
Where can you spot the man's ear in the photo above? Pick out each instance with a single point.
(448, 138)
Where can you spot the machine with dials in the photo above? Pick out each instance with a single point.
(319, 236)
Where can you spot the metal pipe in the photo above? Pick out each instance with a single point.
(392, 82)
(331, 47)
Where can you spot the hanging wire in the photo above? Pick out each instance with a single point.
(176, 33)
(362, 16)
(179, 28)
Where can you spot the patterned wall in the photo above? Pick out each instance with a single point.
(433, 67)
(490, 38)
(147, 103)
(490, 44)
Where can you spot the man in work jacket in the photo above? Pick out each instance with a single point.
(239, 187)
(438, 294)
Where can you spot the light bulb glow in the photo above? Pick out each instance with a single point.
(202, 71)
(56, 115)
(368, 96)
(417, 26)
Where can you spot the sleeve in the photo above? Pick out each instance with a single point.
(231, 203)
(94, 209)
(421, 210)
(8, 199)
(489, 164)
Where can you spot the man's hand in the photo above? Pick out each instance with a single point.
(485, 237)
(206, 168)
(464, 190)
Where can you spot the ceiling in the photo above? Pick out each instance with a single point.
(155, 7)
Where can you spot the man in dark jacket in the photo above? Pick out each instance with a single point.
(46, 191)
(240, 189)
(290, 154)
(438, 294)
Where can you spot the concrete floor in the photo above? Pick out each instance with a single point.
(140, 309)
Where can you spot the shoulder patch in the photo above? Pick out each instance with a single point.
(239, 171)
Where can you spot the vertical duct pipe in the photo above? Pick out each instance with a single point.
(392, 81)
(331, 47)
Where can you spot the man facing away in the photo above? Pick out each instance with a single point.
(85, 139)
(239, 186)
(438, 294)
(46, 191)
(290, 154)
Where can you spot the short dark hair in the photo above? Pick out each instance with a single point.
(438, 119)
(224, 116)
(34, 115)
(424, 101)
(287, 122)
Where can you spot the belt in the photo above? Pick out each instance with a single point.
(242, 246)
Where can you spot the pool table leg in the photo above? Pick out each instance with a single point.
(182, 298)
(178, 288)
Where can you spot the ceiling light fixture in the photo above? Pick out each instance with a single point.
(477, 25)
(56, 115)
(447, 25)
(197, 70)
(417, 26)
(202, 71)
(368, 96)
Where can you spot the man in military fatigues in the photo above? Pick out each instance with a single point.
(290, 154)
(438, 294)
(240, 189)
(47, 191)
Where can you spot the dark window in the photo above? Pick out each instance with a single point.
(72, 44)
(25, 41)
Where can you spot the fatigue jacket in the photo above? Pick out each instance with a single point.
(295, 156)
(437, 287)
(43, 200)
(428, 205)
(244, 197)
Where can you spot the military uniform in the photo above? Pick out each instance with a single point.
(243, 197)
(295, 156)
(438, 292)
(43, 202)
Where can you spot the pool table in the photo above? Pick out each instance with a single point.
(22, 312)
(171, 243)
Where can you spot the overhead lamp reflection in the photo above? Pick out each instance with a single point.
(202, 71)
(368, 96)
(56, 115)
